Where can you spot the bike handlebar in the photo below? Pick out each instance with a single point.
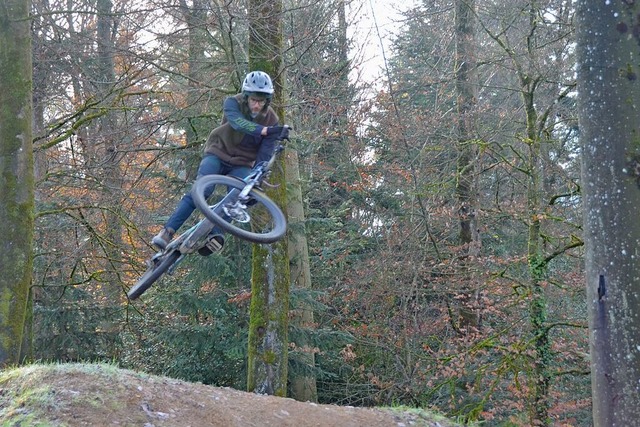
(284, 134)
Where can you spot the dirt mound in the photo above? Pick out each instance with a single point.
(104, 395)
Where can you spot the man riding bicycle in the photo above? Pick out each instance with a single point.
(245, 138)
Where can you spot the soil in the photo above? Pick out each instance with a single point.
(104, 395)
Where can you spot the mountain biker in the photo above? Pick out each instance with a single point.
(245, 138)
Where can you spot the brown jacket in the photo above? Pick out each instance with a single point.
(239, 147)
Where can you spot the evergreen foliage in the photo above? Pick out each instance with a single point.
(378, 179)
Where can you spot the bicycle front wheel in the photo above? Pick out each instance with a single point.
(153, 273)
(267, 225)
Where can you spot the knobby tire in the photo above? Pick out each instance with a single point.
(277, 218)
(152, 274)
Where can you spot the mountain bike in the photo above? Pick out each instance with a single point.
(241, 209)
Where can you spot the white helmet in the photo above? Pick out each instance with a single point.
(257, 82)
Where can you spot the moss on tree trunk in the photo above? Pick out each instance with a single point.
(268, 328)
(268, 338)
(16, 177)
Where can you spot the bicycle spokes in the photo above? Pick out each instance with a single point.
(265, 224)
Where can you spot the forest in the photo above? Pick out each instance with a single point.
(436, 245)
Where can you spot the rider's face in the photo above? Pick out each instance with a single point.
(256, 104)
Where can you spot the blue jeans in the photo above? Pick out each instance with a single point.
(209, 165)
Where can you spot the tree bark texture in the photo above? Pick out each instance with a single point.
(16, 177)
(608, 40)
(303, 386)
(268, 327)
(108, 140)
(467, 165)
(541, 376)
(196, 127)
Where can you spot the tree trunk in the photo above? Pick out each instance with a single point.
(196, 128)
(303, 387)
(467, 166)
(609, 107)
(524, 65)
(334, 152)
(16, 177)
(112, 178)
(541, 377)
(268, 328)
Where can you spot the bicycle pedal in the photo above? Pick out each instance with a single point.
(213, 244)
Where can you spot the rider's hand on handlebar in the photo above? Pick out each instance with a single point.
(282, 131)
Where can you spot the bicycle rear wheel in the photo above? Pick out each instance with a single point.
(153, 273)
(268, 224)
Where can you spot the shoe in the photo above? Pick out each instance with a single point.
(215, 243)
(162, 239)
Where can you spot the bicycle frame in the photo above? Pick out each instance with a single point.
(232, 208)
(190, 241)
(186, 243)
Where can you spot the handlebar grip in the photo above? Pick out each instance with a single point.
(285, 132)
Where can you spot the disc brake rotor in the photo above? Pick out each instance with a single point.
(237, 213)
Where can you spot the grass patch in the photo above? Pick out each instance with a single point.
(24, 399)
